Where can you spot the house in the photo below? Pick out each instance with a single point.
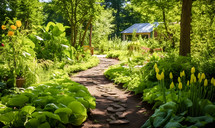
(143, 29)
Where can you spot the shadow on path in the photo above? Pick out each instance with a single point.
(113, 104)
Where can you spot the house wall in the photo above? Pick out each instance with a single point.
(125, 35)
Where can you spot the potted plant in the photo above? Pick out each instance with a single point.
(18, 51)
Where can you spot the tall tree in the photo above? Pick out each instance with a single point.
(79, 14)
(185, 28)
(118, 6)
(28, 11)
(103, 26)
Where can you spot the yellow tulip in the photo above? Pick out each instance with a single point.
(158, 76)
(194, 80)
(180, 85)
(172, 85)
(193, 70)
(212, 80)
(199, 75)
(179, 79)
(206, 82)
(3, 27)
(182, 74)
(200, 80)
(18, 23)
(162, 75)
(10, 33)
(155, 66)
(203, 76)
(157, 70)
(13, 27)
(170, 75)
(188, 83)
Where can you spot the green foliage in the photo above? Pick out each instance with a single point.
(47, 104)
(52, 43)
(18, 53)
(102, 28)
(28, 11)
(80, 66)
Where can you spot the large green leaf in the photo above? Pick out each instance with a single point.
(32, 123)
(56, 31)
(168, 105)
(60, 27)
(210, 109)
(44, 125)
(84, 102)
(52, 115)
(199, 121)
(64, 110)
(173, 125)
(66, 100)
(79, 111)
(161, 118)
(51, 107)
(81, 93)
(8, 117)
(28, 109)
(91, 100)
(48, 26)
(64, 114)
(17, 101)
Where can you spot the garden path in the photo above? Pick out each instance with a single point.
(115, 107)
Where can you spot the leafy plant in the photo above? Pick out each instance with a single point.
(55, 103)
(18, 53)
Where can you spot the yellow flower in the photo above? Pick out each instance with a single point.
(192, 78)
(170, 75)
(18, 23)
(199, 75)
(203, 76)
(10, 33)
(162, 75)
(192, 70)
(3, 27)
(214, 83)
(212, 80)
(13, 27)
(172, 85)
(206, 82)
(180, 85)
(182, 74)
(157, 70)
(155, 66)
(158, 76)
(191, 81)
(188, 83)
(179, 79)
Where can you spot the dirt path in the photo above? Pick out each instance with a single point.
(115, 108)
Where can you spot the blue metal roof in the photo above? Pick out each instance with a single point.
(141, 28)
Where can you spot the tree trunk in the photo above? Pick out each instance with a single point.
(88, 24)
(185, 28)
(91, 29)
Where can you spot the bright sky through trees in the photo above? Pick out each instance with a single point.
(45, 0)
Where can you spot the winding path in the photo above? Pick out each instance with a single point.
(115, 107)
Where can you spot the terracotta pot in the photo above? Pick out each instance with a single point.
(20, 82)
